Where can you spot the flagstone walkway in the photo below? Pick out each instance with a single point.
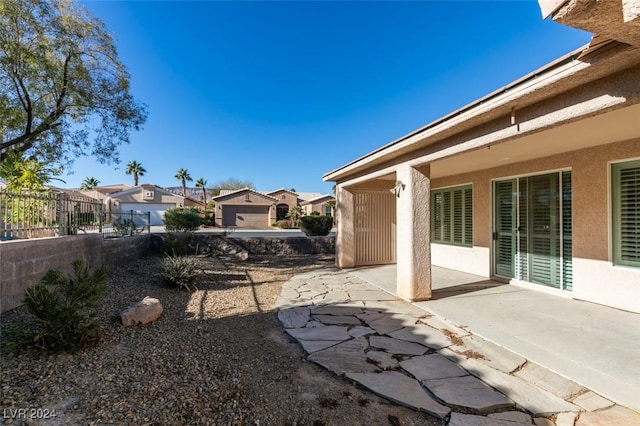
(419, 360)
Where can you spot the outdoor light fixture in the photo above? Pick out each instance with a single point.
(397, 188)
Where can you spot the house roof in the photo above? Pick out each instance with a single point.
(318, 199)
(575, 69)
(141, 187)
(240, 191)
(304, 196)
(282, 190)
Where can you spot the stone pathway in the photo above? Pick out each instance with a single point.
(413, 358)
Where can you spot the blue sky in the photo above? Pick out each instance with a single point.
(279, 93)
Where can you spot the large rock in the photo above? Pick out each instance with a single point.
(143, 312)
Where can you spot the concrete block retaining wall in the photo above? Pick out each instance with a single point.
(272, 246)
(24, 262)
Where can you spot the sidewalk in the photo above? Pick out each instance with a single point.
(418, 359)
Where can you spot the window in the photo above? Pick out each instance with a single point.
(327, 210)
(452, 216)
(625, 181)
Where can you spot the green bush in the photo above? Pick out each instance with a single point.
(314, 213)
(180, 271)
(64, 309)
(316, 225)
(181, 219)
(284, 224)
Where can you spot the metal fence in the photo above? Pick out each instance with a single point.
(123, 224)
(47, 214)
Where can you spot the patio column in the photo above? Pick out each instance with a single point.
(413, 239)
(345, 238)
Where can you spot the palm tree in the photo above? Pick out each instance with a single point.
(201, 183)
(294, 215)
(89, 183)
(183, 176)
(134, 168)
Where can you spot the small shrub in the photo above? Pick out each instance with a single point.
(124, 227)
(314, 213)
(64, 309)
(181, 219)
(316, 225)
(284, 224)
(180, 271)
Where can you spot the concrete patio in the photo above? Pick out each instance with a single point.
(593, 345)
(434, 356)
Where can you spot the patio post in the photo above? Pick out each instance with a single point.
(413, 239)
(345, 237)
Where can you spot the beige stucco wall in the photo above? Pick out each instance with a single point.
(241, 199)
(595, 278)
(158, 197)
(285, 197)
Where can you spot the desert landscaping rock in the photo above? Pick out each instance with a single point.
(616, 415)
(383, 360)
(360, 331)
(345, 357)
(332, 332)
(337, 319)
(423, 335)
(512, 416)
(458, 419)
(468, 392)
(338, 309)
(314, 324)
(366, 295)
(566, 419)
(401, 389)
(530, 397)
(147, 310)
(591, 401)
(432, 366)
(216, 356)
(311, 346)
(395, 346)
(389, 322)
(294, 318)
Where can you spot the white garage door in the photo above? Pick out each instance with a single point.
(156, 210)
(246, 216)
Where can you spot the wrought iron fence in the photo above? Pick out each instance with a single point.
(123, 224)
(47, 214)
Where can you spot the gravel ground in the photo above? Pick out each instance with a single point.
(217, 356)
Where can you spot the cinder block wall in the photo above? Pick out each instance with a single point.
(24, 262)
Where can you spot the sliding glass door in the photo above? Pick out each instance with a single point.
(532, 229)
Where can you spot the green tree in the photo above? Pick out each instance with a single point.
(134, 168)
(294, 214)
(230, 183)
(202, 183)
(183, 176)
(60, 74)
(89, 183)
(25, 174)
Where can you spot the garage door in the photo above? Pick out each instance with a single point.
(246, 216)
(156, 210)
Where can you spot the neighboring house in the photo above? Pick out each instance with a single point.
(536, 184)
(318, 204)
(101, 192)
(244, 208)
(148, 198)
(286, 201)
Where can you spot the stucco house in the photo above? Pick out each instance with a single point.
(287, 199)
(148, 198)
(319, 204)
(536, 184)
(244, 208)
